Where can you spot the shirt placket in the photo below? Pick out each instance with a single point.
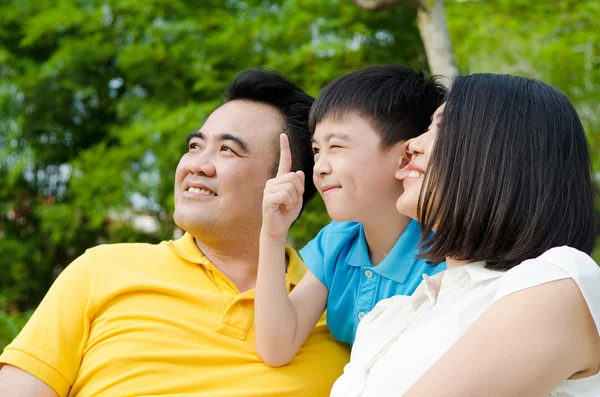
(452, 282)
(365, 294)
(432, 296)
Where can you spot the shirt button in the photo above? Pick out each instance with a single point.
(361, 315)
(369, 273)
(455, 277)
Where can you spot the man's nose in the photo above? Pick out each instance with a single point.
(201, 164)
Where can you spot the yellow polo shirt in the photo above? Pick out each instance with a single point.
(161, 320)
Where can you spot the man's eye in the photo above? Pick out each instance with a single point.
(193, 146)
(226, 148)
(316, 150)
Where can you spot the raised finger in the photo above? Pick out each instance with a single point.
(285, 155)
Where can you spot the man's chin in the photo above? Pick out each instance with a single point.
(190, 221)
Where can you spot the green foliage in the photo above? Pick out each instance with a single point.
(97, 99)
(555, 41)
(10, 325)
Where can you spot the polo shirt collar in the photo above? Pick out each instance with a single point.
(398, 264)
(186, 247)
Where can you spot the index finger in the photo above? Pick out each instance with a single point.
(285, 155)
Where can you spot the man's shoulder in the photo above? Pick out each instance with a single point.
(112, 249)
(118, 254)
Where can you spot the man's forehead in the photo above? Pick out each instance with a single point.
(251, 120)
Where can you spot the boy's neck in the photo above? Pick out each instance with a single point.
(382, 234)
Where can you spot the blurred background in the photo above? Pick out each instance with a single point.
(97, 99)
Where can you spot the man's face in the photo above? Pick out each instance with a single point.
(219, 181)
(352, 173)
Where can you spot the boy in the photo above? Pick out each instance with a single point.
(359, 124)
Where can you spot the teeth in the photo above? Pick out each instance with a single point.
(415, 174)
(205, 192)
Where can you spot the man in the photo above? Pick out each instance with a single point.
(177, 318)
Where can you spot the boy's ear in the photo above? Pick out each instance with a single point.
(401, 170)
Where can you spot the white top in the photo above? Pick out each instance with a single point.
(402, 337)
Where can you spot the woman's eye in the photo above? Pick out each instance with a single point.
(316, 150)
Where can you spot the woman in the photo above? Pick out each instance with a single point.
(503, 177)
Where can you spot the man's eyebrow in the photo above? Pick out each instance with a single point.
(221, 137)
(195, 134)
(239, 141)
(328, 137)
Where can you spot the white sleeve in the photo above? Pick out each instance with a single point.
(557, 264)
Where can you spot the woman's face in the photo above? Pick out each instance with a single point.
(418, 149)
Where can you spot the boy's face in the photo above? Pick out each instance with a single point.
(353, 174)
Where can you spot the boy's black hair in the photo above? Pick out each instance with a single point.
(397, 101)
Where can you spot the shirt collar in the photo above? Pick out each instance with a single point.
(398, 264)
(186, 248)
(477, 271)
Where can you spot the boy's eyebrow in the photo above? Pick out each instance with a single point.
(221, 137)
(328, 137)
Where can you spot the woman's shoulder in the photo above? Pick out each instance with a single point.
(553, 265)
(559, 278)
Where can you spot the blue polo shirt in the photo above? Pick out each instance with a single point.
(339, 257)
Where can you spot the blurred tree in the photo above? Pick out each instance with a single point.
(97, 99)
(431, 19)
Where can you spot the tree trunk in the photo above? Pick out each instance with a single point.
(431, 18)
(436, 39)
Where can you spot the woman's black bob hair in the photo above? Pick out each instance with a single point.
(509, 176)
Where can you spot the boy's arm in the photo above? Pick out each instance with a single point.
(15, 382)
(283, 323)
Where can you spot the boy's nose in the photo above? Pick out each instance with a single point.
(321, 167)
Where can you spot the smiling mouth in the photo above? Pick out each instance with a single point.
(330, 189)
(204, 192)
(415, 174)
